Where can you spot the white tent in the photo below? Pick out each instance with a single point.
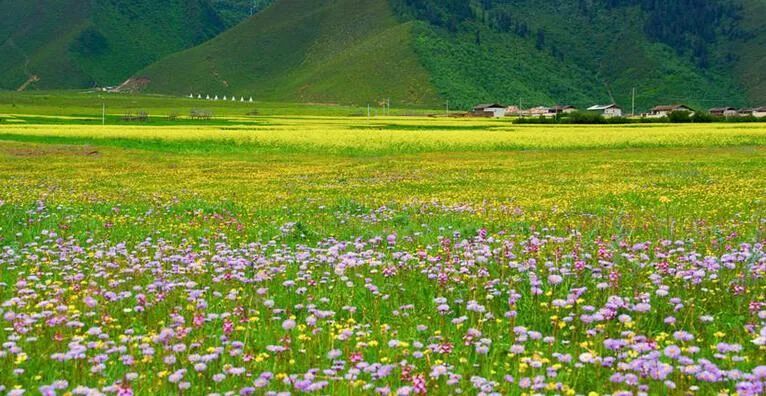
(216, 97)
(208, 97)
(199, 96)
(251, 99)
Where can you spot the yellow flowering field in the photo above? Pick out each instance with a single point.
(339, 255)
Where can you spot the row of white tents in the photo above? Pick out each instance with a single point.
(232, 99)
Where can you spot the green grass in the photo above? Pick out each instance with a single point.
(161, 214)
(350, 52)
(41, 38)
(87, 104)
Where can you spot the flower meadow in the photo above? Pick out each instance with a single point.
(582, 270)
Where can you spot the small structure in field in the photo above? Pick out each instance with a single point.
(723, 112)
(493, 110)
(200, 114)
(607, 111)
(666, 110)
(140, 116)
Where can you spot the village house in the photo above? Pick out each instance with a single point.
(758, 112)
(558, 109)
(723, 112)
(747, 112)
(489, 110)
(608, 111)
(513, 111)
(541, 111)
(664, 111)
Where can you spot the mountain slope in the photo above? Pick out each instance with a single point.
(350, 51)
(587, 51)
(75, 43)
(235, 11)
(702, 52)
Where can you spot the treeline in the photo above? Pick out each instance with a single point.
(449, 14)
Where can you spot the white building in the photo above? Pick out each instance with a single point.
(664, 111)
(723, 112)
(490, 110)
(608, 111)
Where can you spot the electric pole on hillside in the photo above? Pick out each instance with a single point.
(447, 107)
(103, 114)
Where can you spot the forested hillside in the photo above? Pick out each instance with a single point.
(585, 51)
(74, 44)
(235, 11)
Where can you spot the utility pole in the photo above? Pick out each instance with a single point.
(368, 110)
(447, 107)
(103, 113)
(633, 108)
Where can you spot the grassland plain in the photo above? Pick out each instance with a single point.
(343, 255)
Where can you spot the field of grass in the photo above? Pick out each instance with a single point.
(400, 255)
(85, 107)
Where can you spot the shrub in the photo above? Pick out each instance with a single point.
(680, 117)
(585, 118)
(702, 117)
(90, 43)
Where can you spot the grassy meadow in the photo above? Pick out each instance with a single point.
(331, 254)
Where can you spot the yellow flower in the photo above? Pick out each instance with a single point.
(21, 358)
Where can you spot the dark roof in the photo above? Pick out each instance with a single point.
(722, 109)
(560, 107)
(487, 106)
(671, 108)
(761, 109)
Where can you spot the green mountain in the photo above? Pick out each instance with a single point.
(701, 52)
(73, 43)
(350, 51)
